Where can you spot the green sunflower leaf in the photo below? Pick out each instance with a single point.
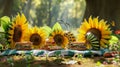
(5, 19)
(47, 29)
(1, 29)
(57, 26)
(5, 22)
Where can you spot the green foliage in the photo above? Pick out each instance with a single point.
(115, 46)
(98, 64)
(47, 29)
(117, 58)
(29, 58)
(5, 21)
(10, 61)
(114, 39)
(117, 35)
(57, 26)
(41, 12)
(5, 25)
(1, 47)
(79, 56)
(114, 43)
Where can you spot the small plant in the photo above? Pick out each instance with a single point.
(29, 59)
(59, 57)
(78, 56)
(10, 61)
(115, 47)
(116, 60)
(99, 64)
(46, 56)
(57, 54)
(1, 47)
(114, 43)
(3, 42)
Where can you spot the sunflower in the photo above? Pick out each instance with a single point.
(17, 30)
(37, 36)
(58, 37)
(94, 32)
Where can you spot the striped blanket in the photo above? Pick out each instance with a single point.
(51, 53)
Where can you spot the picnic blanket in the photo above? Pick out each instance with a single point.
(52, 53)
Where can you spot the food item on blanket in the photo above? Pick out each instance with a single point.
(77, 46)
(23, 45)
(111, 54)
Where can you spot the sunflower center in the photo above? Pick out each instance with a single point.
(58, 39)
(96, 32)
(35, 38)
(17, 34)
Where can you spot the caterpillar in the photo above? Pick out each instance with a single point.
(93, 41)
(70, 36)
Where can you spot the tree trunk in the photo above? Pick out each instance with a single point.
(49, 16)
(7, 7)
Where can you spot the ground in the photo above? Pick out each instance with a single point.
(20, 61)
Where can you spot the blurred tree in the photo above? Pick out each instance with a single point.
(11, 7)
(7, 7)
(42, 13)
(46, 12)
(49, 11)
(72, 12)
(79, 9)
(55, 10)
(26, 8)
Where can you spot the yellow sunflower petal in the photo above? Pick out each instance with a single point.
(101, 23)
(106, 32)
(105, 41)
(11, 31)
(86, 24)
(65, 43)
(88, 46)
(23, 18)
(102, 44)
(82, 31)
(91, 22)
(83, 28)
(96, 22)
(81, 38)
(106, 36)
